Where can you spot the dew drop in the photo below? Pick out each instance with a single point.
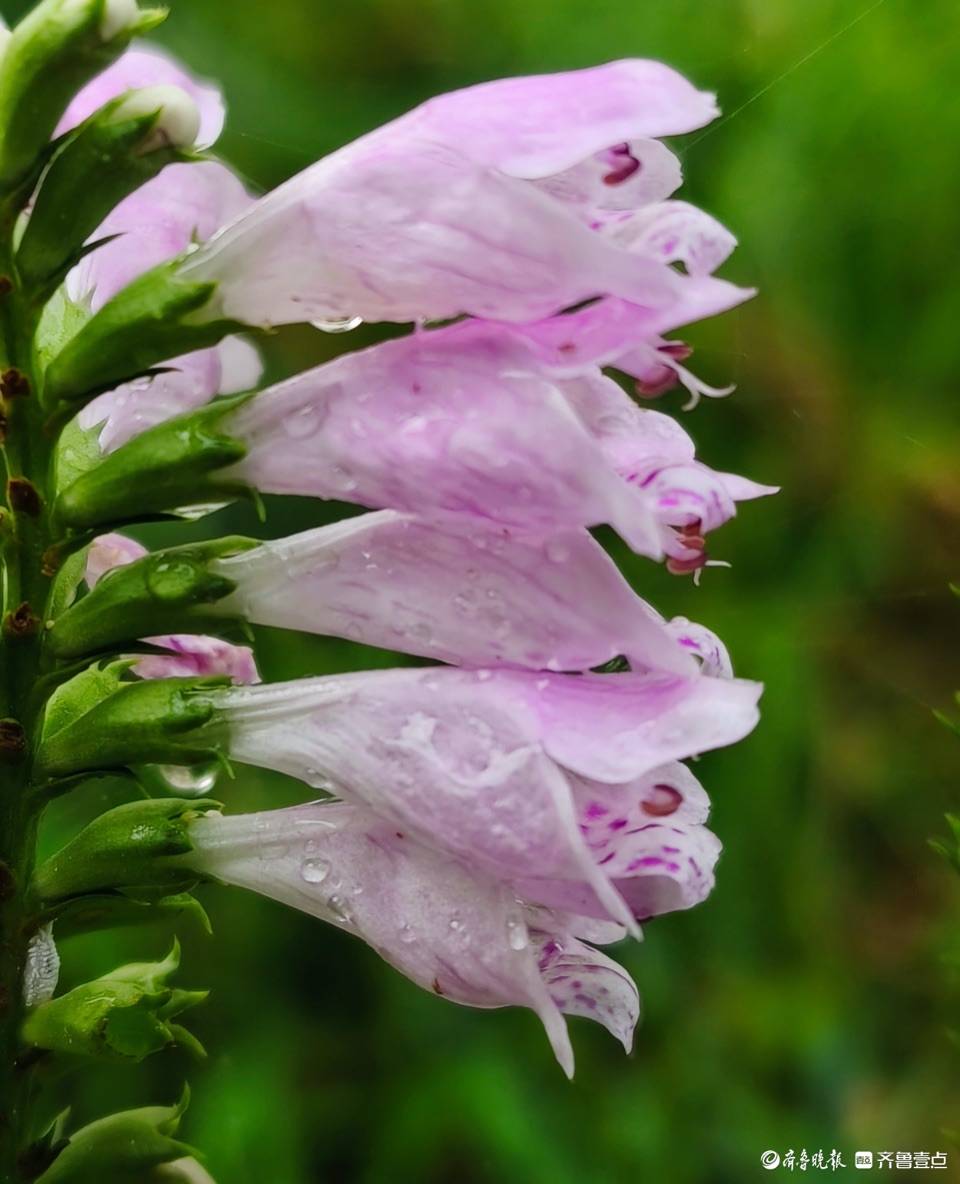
(190, 781)
(517, 935)
(315, 871)
(338, 324)
(303, 422)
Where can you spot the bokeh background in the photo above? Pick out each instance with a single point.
(808, 1003)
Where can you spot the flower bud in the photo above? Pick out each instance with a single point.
(50, 55)
(117, 150)
(125, 1148)
(176, 117)
(123, 1016)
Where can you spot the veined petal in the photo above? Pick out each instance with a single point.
(143, 66)
(583, 981)
(182, 385)
(452, 931)
(475, 763)
(432, 751)
(542, 124)
(648, 838)
(439, 421)
(455, 588)
(493, 201)
(184, 203)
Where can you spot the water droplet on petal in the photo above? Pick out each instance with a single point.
(338, 324)
(314, 871)
(517, 934)
(303, 422)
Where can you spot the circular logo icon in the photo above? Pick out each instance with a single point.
(770, 1160)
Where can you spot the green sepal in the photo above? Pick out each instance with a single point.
(123, 1016)
(112, 910)
(167, 591)
(156, 317)
(136, 846)
(170, 466)
(96, 722)
(122, 1149)
(100, 164)
(53, 52)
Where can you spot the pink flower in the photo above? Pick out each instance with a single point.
(189, 655)
(490, 766)
(455, 589)
(143, 66)
(182, 385)
(508, 200)
(440, 922)
(469, 419)
(184, 204)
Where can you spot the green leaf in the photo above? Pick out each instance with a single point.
(123, 1016)
(121, 1149)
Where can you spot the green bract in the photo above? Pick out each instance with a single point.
(53, 51)
(156, 317)
(162, 592)
(125, 1015)
(121, 1149)
(128, 847)
(104, 160)
(97, 721)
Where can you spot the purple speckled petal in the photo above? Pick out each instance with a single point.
(649, 839)
(142, 66)
(474, 763)
(191, 655)
(676, 232)
(583, 981)
(439, 752)
(609, 186)
(457, 589)
(452, 931)
(704, 644)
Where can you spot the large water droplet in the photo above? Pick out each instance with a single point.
(315, 871)
(407, 936)
(303, 422)
(517, 934)
(557, 552)
(189, 781)
(338, 324)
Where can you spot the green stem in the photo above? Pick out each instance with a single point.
(27, 450)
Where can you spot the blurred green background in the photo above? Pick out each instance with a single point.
(808, 1003)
